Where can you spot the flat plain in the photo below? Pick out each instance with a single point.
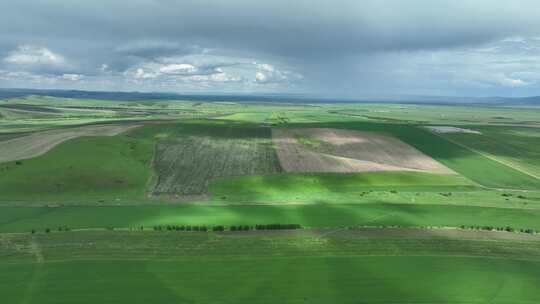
(95, 210)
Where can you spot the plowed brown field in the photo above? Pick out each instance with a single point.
(337, 150)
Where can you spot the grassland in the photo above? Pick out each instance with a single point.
(357, 183)
(371, 266)
(18, 219)
(96, 184)
(91, 169)
(518, 147)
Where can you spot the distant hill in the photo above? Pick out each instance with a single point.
(282, 98)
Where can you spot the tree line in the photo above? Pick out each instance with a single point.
(219, 228)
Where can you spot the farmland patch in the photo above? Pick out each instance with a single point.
(337, 150)
(40, 142)
(185, 164)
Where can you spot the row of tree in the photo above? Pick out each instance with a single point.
(48, 230)
(181, 228)
(203, 228)
(507, 228)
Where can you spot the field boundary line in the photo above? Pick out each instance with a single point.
(152, 178)
(35, 250)
(489, 156)
(271, 257)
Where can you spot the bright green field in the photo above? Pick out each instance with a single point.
(87, 168)
(517, 146)
(293, 185)
(315, 280)
(21, 219)
(162, 267)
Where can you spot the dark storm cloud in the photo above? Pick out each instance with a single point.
(330, 42)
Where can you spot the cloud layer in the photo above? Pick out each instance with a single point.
(335, 48)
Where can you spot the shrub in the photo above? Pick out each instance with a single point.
(277, 227)
(218, 228)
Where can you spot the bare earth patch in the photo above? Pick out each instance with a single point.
(39, 143)
(449, 129)
(338, 150)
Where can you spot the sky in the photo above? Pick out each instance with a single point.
(337, 48)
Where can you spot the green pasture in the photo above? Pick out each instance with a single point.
(516, 146)
(342, 267)
(24, 219)
(378, 279)
(86, 168)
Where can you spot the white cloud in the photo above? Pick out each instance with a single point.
(72, 77)
(34, 55)
(178, 68)
(195, 72)
(260, 77)
(141, 74)
(266, 67)
(514, 83)
(268, 73)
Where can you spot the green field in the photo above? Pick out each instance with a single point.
(204, 163)
(518, 147)
(21, 219)
(368, 266)
(91, 168)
